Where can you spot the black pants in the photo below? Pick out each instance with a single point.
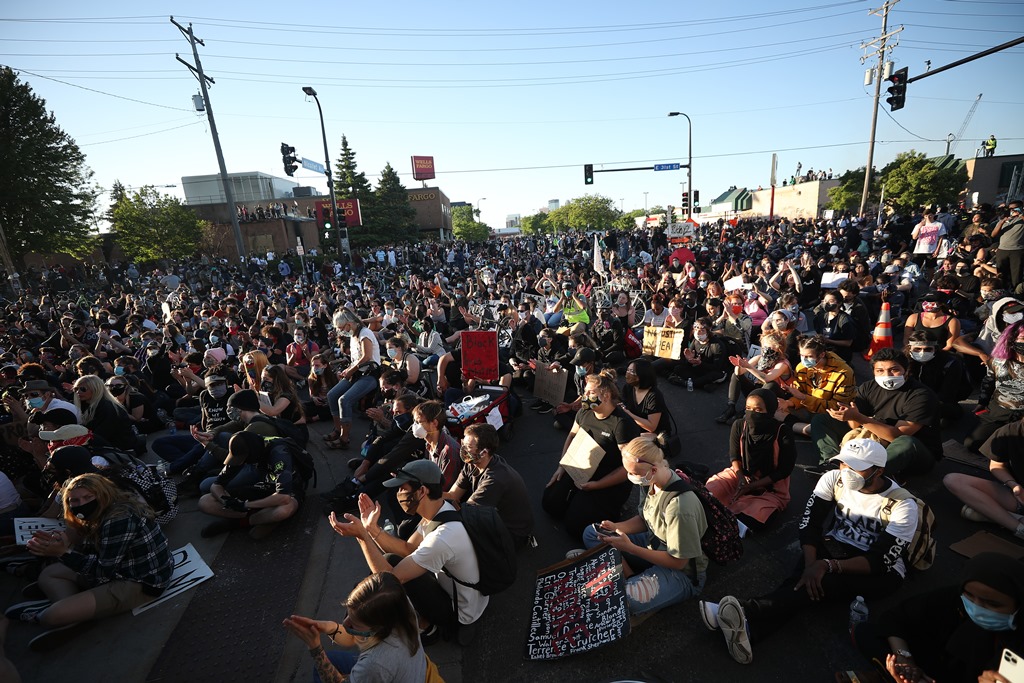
(996, 417)
(767, 613)
(1010, 263)
(701, 375)
(431, 602)
(578, 509)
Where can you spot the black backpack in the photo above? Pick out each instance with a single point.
(493, 544)
(302, 461)
(286, 428)
(721, 542)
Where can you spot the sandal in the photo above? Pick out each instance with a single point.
(333, 436)
(338, 444)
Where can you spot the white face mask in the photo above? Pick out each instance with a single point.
(922, 356)
(645, 480)
(890, 383)
(523, 315)
(419, 431)
(1011, 318)
(700, 336)
(852, 480)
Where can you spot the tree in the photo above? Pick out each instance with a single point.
(48, 201)
(591, 212)
(847, 194)
(536, 224)
(151, 226)
(394, 217)
(627, 221)
(912, 180)
(467, 229)
(351, 183)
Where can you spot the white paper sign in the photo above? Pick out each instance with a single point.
(733, 283)
(189, 571)
(832, 280)
(494, 418)
(24, 527)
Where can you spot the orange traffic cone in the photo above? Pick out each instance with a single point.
(882, 336)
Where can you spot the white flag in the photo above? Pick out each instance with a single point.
(598, 262)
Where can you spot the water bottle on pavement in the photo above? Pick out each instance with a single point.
(689, 384)
(858, 612)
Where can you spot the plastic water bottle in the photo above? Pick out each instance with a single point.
(858, 612)
(689, 384)
(388, 527)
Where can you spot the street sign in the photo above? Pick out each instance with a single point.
(312, 166)
(666, 167)
(300, 250)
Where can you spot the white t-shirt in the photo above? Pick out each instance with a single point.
(927, 236)
(355, 345)
(9, 497)
(652, 319)
(449, 546)
(858, 518)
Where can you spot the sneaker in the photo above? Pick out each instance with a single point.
(258, 532)
(573, 554)
(676, 380)
(26, 611)
(972, 515)
(221, 526)
(540, 405)
(728, 414)
(708, 614)
(32, 591)
(733, 621)
(354, 463)
(546, 409)
(54, 637)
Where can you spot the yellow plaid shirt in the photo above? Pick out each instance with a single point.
(826, 384)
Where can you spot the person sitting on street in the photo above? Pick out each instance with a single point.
(705, 359)
(859, 554)
(585, 364)
(1002, 386)
(941, 371)
(643, 401)
(769, 369)
(822, 380)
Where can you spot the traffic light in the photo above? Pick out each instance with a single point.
(685, 205)
(588, 174)
(696, 197)
(288, 159)
(898, 90)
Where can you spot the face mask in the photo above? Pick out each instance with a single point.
(922, 356)
(751, 296)
(755, 418)
(319, 371)
(1011, 318)
(403, 421)
(831, 308)
(410, 504)
(808, 362)
(929, 306)
(85, 510)
(853, 480)
(543, 341)
(700, 336)
(119, 370)
(267, 385)
(218, 390)
(523, 315)
(736, 309)
(299, 339)
(986, 618)
(890, 383)
(117, 390)
(703, 284)
(581, 371)
(1018, 347)
(419, 431)
(590, 403)
(75, 355)
(36, 403)
(234, 414)
(645, 480)
(392, 353)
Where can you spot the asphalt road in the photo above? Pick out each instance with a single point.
(669, 647)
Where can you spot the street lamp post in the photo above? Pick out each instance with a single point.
(478, 202)
(330, 181)
(645, 202)
(689, 159)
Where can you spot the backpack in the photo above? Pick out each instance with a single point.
(721, 542)
(493, 544)
(302, 461)
(921, 551)
(160, 493)
(286, 428)
(634, 347)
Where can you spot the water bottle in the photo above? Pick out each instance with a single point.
(388, 527)
(689, 384)
(858, 612)
(172, 427)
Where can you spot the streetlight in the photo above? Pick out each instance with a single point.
(327, 170)
(689, 159)
(621, 199)
(478, 208)
(645, 202)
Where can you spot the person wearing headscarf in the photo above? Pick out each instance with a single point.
(956, 632)
(762, 453)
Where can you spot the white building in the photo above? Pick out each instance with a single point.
(253, 187)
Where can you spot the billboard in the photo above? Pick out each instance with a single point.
(422, 168)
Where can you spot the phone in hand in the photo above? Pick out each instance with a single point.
(1011, 666)
(605, 531)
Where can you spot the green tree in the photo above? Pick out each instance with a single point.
(912, 180)
(559, 219)
(394, 217)
(48, 201)
(351, 183)
(536, 224)
(846, 195)
(591, 212)
(465, 228)
(627, 221)
(152, 226)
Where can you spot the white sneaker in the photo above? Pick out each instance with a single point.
(576, 552)
(733, 622)
(708, 614)
(972, 515)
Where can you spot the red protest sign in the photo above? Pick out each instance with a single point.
(480, 355)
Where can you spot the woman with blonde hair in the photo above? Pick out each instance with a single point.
(253, 363)
(112, 558)
(103, 414)
(357, 380)
(381, 625)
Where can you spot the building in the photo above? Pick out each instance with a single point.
(433, 212)
(249, 188)
(989, 178)
(553, 204)
(513, 220)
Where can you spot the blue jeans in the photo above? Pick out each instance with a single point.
(343, 661)
(554, 319)
(246, 478)
(654, 587)
(181, 450)
(345, 396)
(430, 361)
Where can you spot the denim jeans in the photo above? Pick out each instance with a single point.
(344, 397)
(343, 661)
(246, 478)
(654, 587)
(181, 450)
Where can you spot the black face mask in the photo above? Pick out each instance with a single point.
(117, 389)
(756, 419)
(85, 510)
(1018, 347)
(267, 386)
(403, 421)
(831, 307)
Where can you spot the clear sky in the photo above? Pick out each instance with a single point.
(511, 99)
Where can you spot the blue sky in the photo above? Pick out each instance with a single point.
(512, 99)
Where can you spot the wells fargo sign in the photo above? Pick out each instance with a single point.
(422, 196)
(423, 168)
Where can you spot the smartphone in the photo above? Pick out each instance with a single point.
(1011, 667)
(604, 531)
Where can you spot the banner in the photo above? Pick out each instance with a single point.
(480, 355)
(664, 342)
(581, 460)
(189, 571)
(549, 385)
(598, 262)
(578, 605)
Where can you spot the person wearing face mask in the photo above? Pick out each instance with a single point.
(140, 410)
(406, 363)
(182, 450)
(1004, 384)
(299, 352)
(602, 496)
(898, 411)
(40, 397)
(486, 478)
(762, 454)
(655, 315)
(584, 364)
(610, 337)
(705, 359)
(835, 326)
(768, 369)
(320, 381)
(113, 550)
(956, 632)
(429, 344)
(643, 401)
(936, 319)
(855, 531)
(662, 558)
(442, 449)
(942, 371)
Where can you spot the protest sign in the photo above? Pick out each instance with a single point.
(581, 460)
(480, 355)
(24, 527)
(189, 571)
(549, 384)
(663, 342)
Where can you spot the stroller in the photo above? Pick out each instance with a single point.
(488, 398)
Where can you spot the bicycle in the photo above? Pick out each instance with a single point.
(605, 296)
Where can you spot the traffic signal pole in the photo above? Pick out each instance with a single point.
(882, 49)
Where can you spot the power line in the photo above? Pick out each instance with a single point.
(887, 113)
(100, 92)
(141, 135)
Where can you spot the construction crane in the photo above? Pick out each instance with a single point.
(960, 133)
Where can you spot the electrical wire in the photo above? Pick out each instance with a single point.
(141, 135)
(889, 114)
(100, 92)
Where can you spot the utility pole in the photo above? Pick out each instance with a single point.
(883, 47)
(197, 71)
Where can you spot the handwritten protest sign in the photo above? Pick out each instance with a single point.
(663, 342)
(24, 527)
(549, 385)
(189, 571)
(578, 605)
(480, 355)
(582, 458)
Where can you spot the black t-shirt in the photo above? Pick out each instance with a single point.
(608, 433)
(654, 402)
(1006, 445)
(913, 402)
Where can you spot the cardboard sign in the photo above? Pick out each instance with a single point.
(987, 542)
(578, 605)
(581, 460)
(549, 385)
(24, 527)
(480, 355)
(832, 280)
(664, 342)
(189, 571)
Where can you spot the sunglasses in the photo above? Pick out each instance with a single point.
(82, 390)
(347, 625)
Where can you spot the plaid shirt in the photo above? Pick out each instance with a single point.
(827, 383)
(130, 548)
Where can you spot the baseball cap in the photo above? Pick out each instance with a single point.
(862, 454)
(417, 472)
(584, 355)
(64, 433)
